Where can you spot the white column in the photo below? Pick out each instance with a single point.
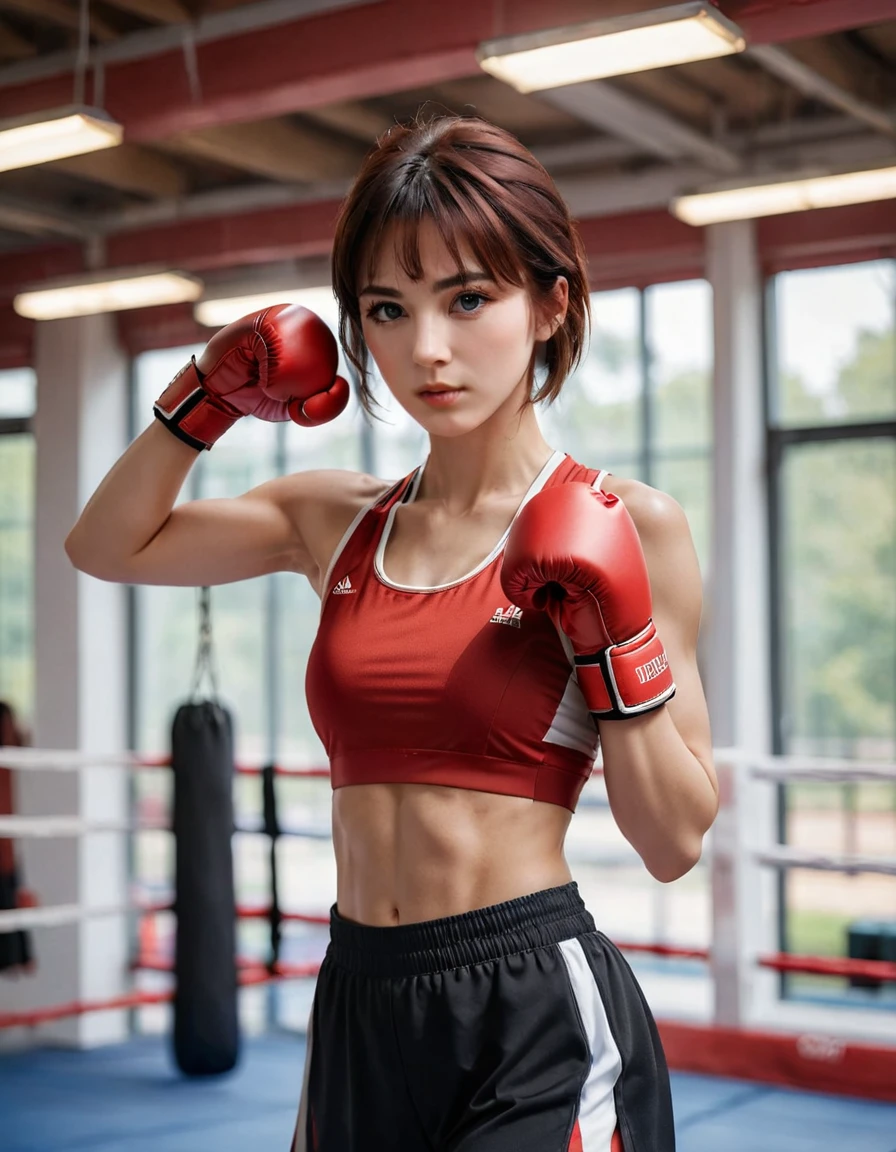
(81, 681)
(738, 649)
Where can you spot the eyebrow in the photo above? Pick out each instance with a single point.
(439, 286)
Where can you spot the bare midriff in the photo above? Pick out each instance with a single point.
(406, 853)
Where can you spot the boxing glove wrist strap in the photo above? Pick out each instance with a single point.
(626, 679)
(192, 414)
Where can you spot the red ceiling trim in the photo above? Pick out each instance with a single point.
(348, 54)
(827, 236)
(366, 51)
(34, 265)
(776, 21)
(640, 248)
(296, 231)
(170, 326)
(634, 248)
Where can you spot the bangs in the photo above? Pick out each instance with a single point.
(465, 220)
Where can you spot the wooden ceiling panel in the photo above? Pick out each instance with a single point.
(290, 152)
(153, 11)
(845, 65)
(881, 37)
(63, 193)
(355, 119)
(746, 94)
(673, 94)
(525, 116)
(207, 7)
(63, 14)
(129, 168)
(13, 45)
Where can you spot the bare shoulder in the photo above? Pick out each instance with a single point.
(332, 488)
(321, 505)
(657, 516)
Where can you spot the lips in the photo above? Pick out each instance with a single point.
(437, 389)
(439, 395)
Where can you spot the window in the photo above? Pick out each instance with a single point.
(18, 390)
(832, 435)
(640, 403)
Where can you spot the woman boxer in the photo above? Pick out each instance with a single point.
(483, 621)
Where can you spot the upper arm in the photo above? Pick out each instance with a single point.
(677, 593)
(284, 524)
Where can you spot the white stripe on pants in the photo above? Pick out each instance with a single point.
(597, 1105)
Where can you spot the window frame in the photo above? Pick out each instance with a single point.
(779, 440)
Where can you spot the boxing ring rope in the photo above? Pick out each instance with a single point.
(730, 855)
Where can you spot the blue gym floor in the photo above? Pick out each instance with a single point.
(130, 1098)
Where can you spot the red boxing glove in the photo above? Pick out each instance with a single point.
(277, 364)
(575, 553)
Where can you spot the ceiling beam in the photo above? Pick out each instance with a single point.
(229, 202)
(832, 235)
(673, 93)
(848, 63)
(352, 119)
(158, 41)
(595, 151)
(776, 21)
(13, 46)
(61, 14)
(273, 148)
(599, 103)
(156, 11)
(223, 230)
(220, 242)
(786, 67)
(20, 216)
(347, 54)
(773, 145)
(129, 168)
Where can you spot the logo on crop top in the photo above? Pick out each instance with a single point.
(510, 615)
(344, 587)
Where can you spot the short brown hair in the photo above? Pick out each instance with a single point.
(482, 188)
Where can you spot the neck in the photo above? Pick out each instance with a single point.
(499, 458)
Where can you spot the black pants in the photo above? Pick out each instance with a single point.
(511, 1028)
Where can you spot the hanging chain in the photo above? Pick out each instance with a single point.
(191, 63)
(205, 654)
(83, 54)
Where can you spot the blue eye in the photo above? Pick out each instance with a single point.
(378, 314)
(474, 299)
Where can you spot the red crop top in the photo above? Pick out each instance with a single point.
(449, 685)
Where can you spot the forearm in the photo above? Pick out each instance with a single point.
(662, 797)
(132, 502)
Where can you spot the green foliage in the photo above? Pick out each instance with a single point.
(839, 518)
(16, 547)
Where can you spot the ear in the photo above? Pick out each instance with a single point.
(553, 310)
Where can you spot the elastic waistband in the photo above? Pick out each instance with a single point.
(532, 921)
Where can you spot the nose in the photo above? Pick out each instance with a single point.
(431, 343)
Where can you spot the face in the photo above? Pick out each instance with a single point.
(453, 350)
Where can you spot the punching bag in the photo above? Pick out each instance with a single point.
(206, 1025)
(15, 946)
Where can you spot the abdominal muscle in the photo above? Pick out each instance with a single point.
(412, 852)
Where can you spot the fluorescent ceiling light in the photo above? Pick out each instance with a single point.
(215, 313)
(51, 135)
(785, 194)
(554, 58)
(101, 293)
